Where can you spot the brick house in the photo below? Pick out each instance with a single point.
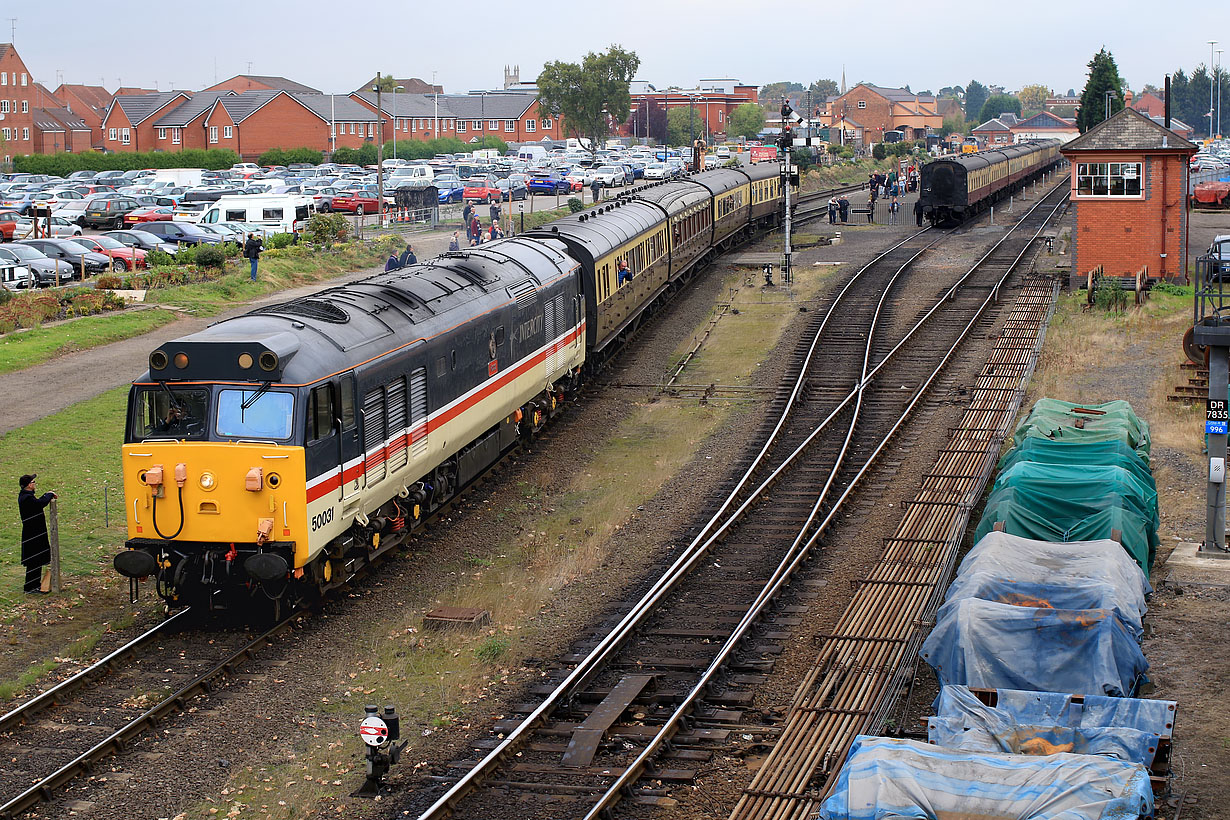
(128, 124)
(1148, 104)
(55, 129)
(16, 91)
(253, 122)
(257, 82)
(881, 109)
(409, 85)
(1045, 126)
(411, 116)
(183, 126)
(711, 103)
(1129, 198)
(89, 102)
(513, 116)
(997, 131)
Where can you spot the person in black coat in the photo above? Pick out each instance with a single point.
(252, 251)
(35, 546)
(407, 257)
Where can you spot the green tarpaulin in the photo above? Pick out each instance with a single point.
(1085, 484)
(1084, 423)
(1101, 453)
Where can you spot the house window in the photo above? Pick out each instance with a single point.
(477, 125)
(162, 133)
(125, 136)
(510, 125)
(25, 106)
(23, 78)
(4, 106)
(227, 133)
(111, 133)
(175, 136)
(461, 127)
(4, 133)
(213, 133)
(4, 78)
(546, 123)
(1095, 179)
(721, 113)
(493, 125)
(531, 126)
(25, 133)
(371, 130)
(862, 103)
(352, 128)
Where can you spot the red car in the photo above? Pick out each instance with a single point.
(154, 213)
(482, 187)
(8, 224)
(122, 257)
(358, 202)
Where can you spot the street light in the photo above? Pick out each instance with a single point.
(1217, 79)
(435, 116)
(396, 88)
(379, 155)
(1211, 44)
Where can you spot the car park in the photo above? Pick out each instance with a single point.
(181, 233)
(83, 261)
(108, 212)
(123, 258)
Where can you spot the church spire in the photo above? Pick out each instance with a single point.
(843, 79)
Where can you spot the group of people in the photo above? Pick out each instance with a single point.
(396, 262)
(839, 205)
(476, 234)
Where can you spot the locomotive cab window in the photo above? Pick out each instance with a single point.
(320, 417)
(347, 402)
(249, 414)
(171, 412)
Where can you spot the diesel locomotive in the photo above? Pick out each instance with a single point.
(952, 189)
(273, 455)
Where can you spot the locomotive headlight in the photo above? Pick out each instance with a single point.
(208, 481)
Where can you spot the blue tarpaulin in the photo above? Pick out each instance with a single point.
(885, 778)
(989, 645)
(1011, 569)
(1127, 729)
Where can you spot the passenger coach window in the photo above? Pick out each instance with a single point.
(320, 413)
(245, 414)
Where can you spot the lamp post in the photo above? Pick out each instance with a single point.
(396, 88)
(379, 155)
(1217, 79)
(435, 114)
(1211, 44)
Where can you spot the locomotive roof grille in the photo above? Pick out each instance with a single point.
(309, 309)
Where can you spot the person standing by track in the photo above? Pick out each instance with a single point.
(252, 250)
(35, 545)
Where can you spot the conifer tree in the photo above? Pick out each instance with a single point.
(1103, 78)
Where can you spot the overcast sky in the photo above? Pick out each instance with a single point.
(336, 46)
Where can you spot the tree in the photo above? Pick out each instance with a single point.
(954, 124)
(650, 111)
(1150, 88)
(589, 96)
(998, 104)
(1103, 80)
(975, 95)
(775, 91)
(951, 91)
(745, 121)
(824, 89)
(1033, 97)
(683, 125)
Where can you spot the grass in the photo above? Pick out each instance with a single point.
(76, 453)
(279, 270)
(443, 678)
(26, 348)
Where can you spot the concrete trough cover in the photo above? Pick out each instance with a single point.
(452, 616)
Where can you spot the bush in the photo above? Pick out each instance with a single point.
(280, 240)
(210, 256)
(878, 151)
(285, 156)
(575, 204)
(108, 281)
(325, 229)
(1110, 296)
(65, 164)
(157, 258)
(185, 256)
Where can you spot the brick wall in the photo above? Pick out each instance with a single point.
(17, 89)
(1123, 234)
(875, 118)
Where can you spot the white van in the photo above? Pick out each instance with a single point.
(277, 213)
(531, 153)
(574, 144)
(414, 176)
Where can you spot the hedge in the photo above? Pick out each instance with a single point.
(64, 164)
(286, 156)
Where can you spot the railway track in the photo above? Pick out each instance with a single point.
(67, 730)
(674, 674)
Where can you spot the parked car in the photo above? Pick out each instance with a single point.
(609, 176)
(548, 182)
(14, 275)
(513, 187)
(84, 261)
(8, 224)
(450, 188)
(156, 213)
(21, 202)
(82, 175)
(72, 210)
(140, 239)
(181, 233)
(358, 202)
(59, 228)
(108, 212)
(224, 232)
(482, 187)
(42, 269)
(123, 258)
